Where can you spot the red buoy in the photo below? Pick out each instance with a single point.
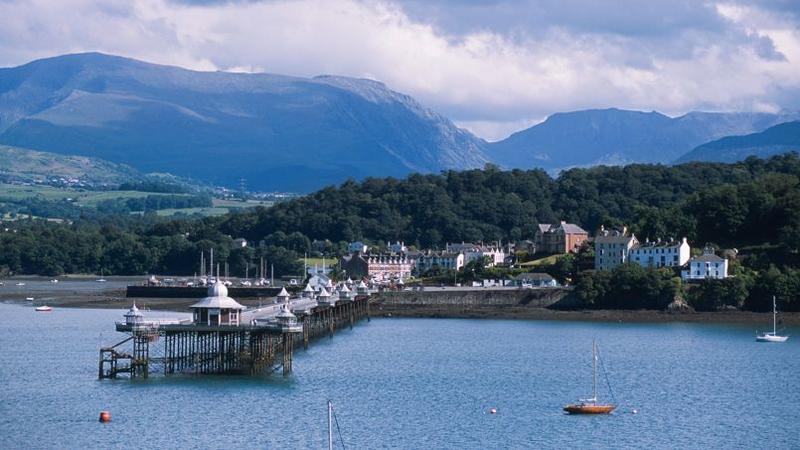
(105, 416)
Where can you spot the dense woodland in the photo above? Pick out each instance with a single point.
(753, 206)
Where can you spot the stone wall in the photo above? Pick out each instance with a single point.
(561, 298)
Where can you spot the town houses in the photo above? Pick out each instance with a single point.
(395, 262)
(616, 247)
(377, 266)
(661, 253)
(493, 254)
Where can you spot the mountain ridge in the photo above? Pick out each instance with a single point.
(781, 138)
(617, 136)
(278, 132)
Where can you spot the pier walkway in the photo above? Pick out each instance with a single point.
(227, 341)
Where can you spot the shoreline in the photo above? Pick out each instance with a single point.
(105, 301)
(114, 298)
(586, 315)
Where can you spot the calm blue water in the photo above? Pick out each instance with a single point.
(411, 383)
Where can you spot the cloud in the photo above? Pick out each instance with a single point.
(490, 65)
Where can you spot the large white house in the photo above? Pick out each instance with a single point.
(707, 265)
(612, 248)
(495, 253)
(659, 254)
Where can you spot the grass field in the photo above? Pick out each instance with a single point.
(82, 198)
(541, 261)
(92, 198)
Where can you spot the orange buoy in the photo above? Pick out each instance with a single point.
(105, 416)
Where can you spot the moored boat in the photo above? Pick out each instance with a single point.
(772, 336)
(43, 308)
(591, 405)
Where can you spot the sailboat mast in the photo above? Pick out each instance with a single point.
(594, 371)
(774, 316)
(330, 425)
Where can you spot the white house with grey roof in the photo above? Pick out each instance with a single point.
(660, 253)
(707, 265)
(612, 248)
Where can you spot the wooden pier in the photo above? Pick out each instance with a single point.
(252, 347)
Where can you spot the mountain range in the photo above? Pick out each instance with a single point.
(276, 132)
(781, 138)
(614, 136)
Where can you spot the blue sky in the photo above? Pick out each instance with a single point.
(493, 66)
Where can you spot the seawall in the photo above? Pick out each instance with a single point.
(437, 302)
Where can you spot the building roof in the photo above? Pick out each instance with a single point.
(706, 257)
(544, 227)
(323, 293)
(218, 298)
(571, 228)
(613, 237)
(283, 293)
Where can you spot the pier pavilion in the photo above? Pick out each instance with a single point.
(225, 337)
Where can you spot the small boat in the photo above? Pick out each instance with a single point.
(20, 284)
(772, 336)
(2, 283)
(28, 299)
(101, 280)
(590, 405)
(54, 281)
(44, 308)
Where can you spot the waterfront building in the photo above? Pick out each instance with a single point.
(707, 265)
(380, 266)
(444, 260)
(217, 308)
(494, 254)
(612, 248)
(535, 279)
(659, 253)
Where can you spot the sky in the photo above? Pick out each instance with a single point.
(491, 66)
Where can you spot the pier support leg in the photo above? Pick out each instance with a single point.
(287, 353)
(306, 326)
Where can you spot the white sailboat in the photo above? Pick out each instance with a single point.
(772, 336)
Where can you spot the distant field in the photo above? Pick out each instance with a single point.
(92, 198)
(226, 203)
(193, 211)
(82, 198)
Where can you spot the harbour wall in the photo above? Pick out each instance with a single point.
(455, 300)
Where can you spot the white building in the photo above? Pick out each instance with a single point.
(659, 254)
(707, 265)
(612, 248)
(495, 253)
(445, 260)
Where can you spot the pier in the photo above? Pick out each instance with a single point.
(223, 337)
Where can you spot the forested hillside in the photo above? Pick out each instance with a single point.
(755, 204)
